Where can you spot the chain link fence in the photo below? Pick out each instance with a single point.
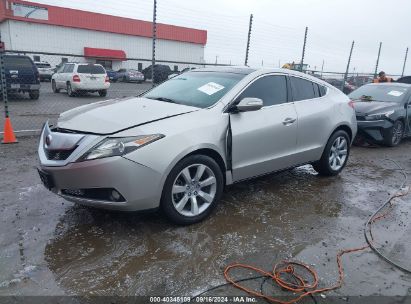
(123, 46)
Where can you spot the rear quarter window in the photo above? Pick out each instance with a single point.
(302, 89)
(90, 69)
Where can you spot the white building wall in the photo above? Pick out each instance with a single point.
(34, 37)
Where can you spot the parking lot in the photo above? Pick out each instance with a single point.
(52, 247)
(27, 114)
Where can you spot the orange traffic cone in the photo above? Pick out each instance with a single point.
(8, 136)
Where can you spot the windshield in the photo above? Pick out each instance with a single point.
(90, 69)
(197, 89)
(379, 93)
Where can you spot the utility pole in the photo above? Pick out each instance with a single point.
(305, 41)
(348, 67)
(405, 61)
(216, 57)
(322, 69)
(378, 60)
(250, 26)
(153, 58)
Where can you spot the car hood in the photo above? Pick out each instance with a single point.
(111, 116)
(371, 107)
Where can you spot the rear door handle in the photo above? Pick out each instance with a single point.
(288, 121)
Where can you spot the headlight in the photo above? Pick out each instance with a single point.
(379, 116)
(117, 146)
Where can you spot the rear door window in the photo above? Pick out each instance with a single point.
(17, 62)
(271, 90)
(302, 89)
(90, 69)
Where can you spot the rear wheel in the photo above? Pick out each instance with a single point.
(35, 94)
(395, 134)
(335, 154)
(192, 190)
(70, 91)
(54, 87)
(102, 93)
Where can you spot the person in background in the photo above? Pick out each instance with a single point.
(382, 78)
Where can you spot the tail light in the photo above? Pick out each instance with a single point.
(351, 103)
(76, 78)
(107, 79)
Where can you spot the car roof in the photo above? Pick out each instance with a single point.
(391, 84)
(226, 69)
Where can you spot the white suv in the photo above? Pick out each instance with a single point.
(80, 77)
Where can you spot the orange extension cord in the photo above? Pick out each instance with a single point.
(304, 288)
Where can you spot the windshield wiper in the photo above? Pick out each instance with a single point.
(165, 99)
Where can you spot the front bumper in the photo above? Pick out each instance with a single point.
(374, 130)
(139, 185)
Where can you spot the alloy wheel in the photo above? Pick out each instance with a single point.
(338, 153)
(194, 190)
(397, 132)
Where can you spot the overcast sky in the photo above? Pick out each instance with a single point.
(278, 29)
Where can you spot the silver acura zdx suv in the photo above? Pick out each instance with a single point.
(176, 146)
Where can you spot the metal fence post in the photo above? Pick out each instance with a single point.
(322, 69)
(405, 62)
(248, 39)
(348, 67)
(378, 60)
(3, 80)
(305, 41)
(153, 58)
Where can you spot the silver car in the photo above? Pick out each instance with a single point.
(176, 146)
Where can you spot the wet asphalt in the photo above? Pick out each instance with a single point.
(53, 247)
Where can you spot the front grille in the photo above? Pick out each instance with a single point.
(58, 154)
(360, 118)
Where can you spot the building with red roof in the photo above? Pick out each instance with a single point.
(76, 35)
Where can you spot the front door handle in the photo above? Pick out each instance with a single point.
(288, 121)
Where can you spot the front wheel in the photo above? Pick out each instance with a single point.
(335, 154)
(192, 190)
(35, 94)
(395, 134)
(54, 87)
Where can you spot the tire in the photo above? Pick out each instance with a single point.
(191, 194)
(54, 87)
(335, 155)
(102, 93)
(35, 94)
(70, 91)
(394, 135)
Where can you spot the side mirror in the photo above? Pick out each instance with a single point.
(249, 104)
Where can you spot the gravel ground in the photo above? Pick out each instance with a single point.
(52, 247)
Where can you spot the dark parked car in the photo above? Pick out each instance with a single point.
(22, 75)
(161, 72)
(405, 79)
(130, 75)
(112, 75)
(383, 112)
(348, 88)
